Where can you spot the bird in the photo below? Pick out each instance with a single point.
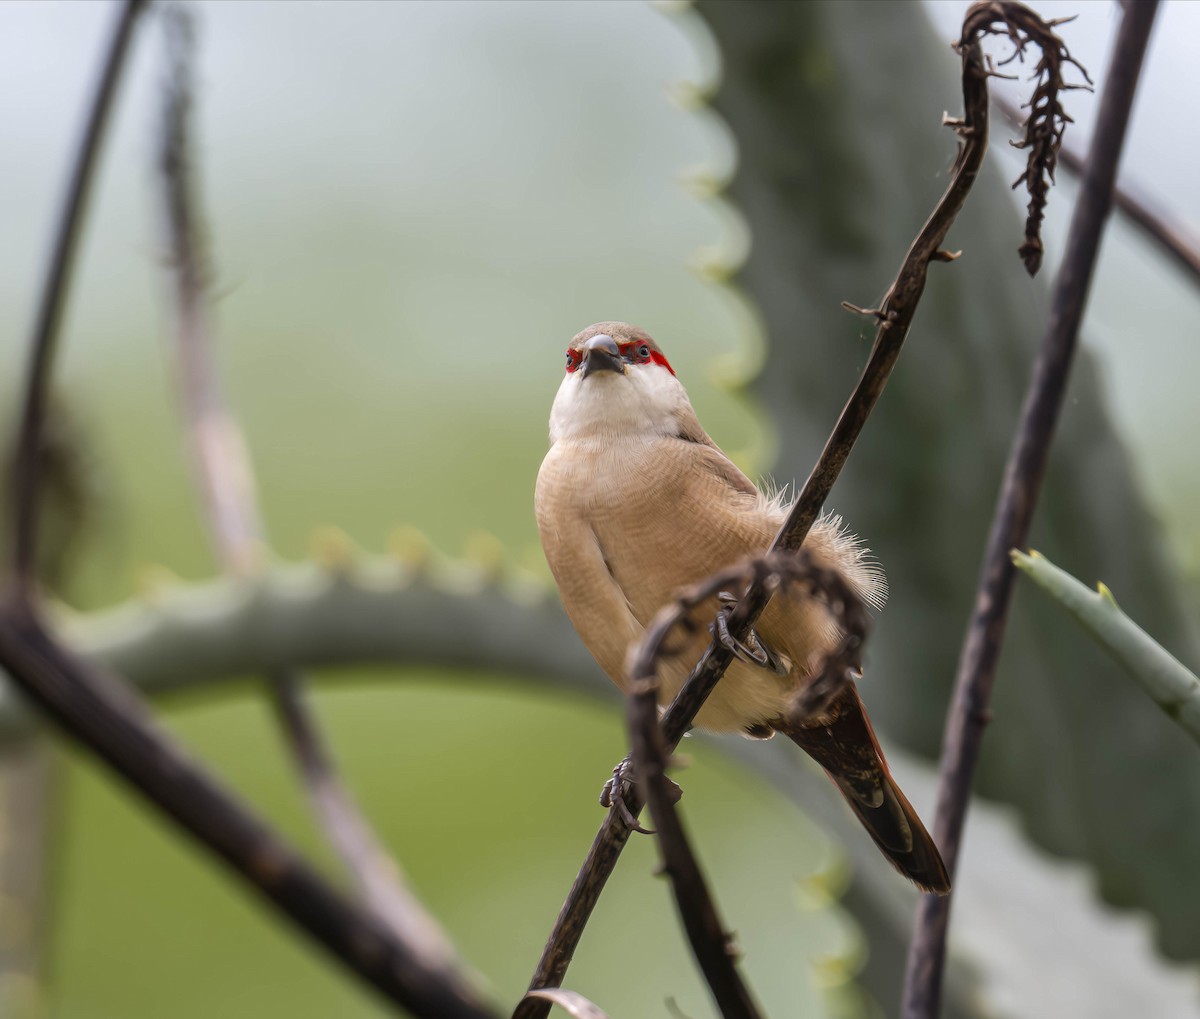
(634, 501)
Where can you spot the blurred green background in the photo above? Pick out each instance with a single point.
(412, 208)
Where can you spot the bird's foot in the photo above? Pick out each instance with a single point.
(755, 650)
(616, 788)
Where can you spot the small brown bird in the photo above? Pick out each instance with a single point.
(634, 501)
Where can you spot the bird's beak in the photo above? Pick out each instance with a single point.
(600, 354)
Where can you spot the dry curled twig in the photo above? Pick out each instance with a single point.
(782, 573)
(571, 1002)
(1165, 229)
(1047, 119)
(1017, 501)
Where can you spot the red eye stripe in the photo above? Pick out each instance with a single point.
(574, 358)
(657, 357)
(638, 352)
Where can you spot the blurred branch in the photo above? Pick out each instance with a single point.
(44, 338)
(894, 317)
(1018, 497)
(225, 481)
(26, 768)
(1171, 685)
(1180, 244)
(102, 714)
(27, 783)
(220, 459)
(107, 717)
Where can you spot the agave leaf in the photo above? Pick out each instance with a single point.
(1168, 682)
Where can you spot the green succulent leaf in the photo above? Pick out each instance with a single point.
(1170, 684)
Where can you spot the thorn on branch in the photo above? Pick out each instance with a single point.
(875, 313)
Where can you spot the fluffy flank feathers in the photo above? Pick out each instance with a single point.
(861, 567)
(847, 549)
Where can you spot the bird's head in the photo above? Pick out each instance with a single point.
(617, 383)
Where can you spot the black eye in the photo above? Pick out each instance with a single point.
(644, 352)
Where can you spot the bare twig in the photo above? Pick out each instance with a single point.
(1180, 244)
(220, 460)
(781, 571)
(381, 883)
(44, 338)
(225, 481)
(27, 806)
(1018, 497)
(895, 317)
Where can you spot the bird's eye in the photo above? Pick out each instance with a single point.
(573, 359)
(644, 352)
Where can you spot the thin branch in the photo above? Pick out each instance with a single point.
(1018, 497)
(782, 572)
(225, 482)
(381, 883)
(109, 719)
(44, 338)
(1180, 244)
(220, 459)
(895, 317)
(28, 782)
(106, 717)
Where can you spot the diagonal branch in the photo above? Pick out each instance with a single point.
(1180, 244)
(107, 718)
(225, 481)
(895, 317)
(1018, 497)
(44, 339)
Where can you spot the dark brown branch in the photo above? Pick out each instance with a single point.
(1018, 497)
(1181, 246)
(104, 716)
(225, 481)
(895, 317)
(44, 338)
(783, 572)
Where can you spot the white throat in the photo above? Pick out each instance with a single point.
(647, 400)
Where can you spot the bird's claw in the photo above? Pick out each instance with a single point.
(615, 789)
(755, 650)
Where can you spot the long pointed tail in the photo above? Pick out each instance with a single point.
(844, 744)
